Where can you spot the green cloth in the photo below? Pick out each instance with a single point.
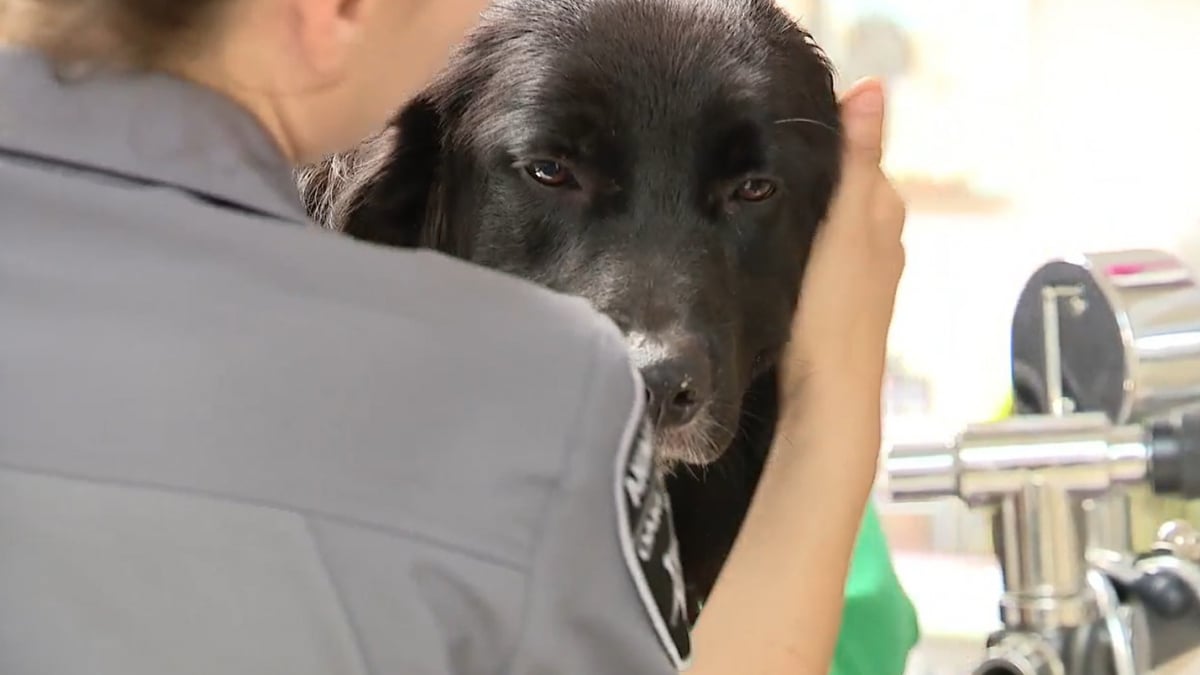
(879, 622)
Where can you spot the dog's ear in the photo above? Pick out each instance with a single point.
(388, 189)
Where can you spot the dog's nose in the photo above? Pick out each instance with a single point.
(677, 385)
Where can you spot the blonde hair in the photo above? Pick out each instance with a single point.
(138, 34)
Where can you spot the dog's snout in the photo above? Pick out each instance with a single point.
(678, 379)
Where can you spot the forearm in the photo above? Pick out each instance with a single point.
(776, 606)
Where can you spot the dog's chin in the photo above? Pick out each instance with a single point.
(698, 443)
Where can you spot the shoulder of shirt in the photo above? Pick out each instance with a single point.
(583, 372)
(428, 286)
(402, 322)
(453, 300)
(419, 286)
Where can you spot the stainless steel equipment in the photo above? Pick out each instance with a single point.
(1106, 380)
(1130, 325)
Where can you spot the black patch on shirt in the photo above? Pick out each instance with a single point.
(648, 541)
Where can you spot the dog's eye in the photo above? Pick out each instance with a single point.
(549, 173)
(755, 190)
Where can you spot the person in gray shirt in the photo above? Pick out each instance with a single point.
(232, 442)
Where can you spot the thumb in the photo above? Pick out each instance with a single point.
(862, 126)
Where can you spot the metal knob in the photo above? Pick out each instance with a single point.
(1021, 654)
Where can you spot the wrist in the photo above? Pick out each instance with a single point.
(829, 433)
(838, 443)
(855, 394)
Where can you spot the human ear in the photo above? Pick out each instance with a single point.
(328, 32)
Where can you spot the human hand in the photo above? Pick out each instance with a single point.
(839, 333)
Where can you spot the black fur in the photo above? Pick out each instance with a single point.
(660, 109)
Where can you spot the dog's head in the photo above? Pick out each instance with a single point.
(669, 160)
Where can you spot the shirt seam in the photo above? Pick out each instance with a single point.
(340, 596)
(570, 450)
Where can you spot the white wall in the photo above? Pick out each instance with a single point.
(1110, 138)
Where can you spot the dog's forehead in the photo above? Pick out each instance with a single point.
(654, 72)
(641, 57)
(616, 81)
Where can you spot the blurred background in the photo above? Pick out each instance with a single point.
(1019, 131)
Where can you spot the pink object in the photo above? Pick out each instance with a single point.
(1126, 269)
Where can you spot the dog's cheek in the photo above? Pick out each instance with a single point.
(769, 279)
(517, 236)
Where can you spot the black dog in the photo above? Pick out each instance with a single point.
(669, 160)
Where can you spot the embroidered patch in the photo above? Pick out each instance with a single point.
(648, 542)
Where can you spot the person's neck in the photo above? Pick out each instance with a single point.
(249, 92)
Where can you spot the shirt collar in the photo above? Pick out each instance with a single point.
(148, 127)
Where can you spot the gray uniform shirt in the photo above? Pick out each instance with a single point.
(231, 442)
